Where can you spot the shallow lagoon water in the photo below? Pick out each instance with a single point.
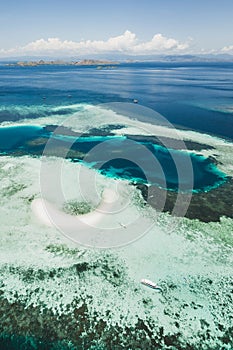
(142, 162)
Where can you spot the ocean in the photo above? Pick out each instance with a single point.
(109, 175)
(196, 96)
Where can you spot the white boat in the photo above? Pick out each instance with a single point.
(151, 284)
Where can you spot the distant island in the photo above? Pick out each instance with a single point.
(113, 62)
(86, 62)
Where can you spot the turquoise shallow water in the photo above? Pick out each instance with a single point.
(121, 158)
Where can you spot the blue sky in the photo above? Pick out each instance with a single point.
(193, 25)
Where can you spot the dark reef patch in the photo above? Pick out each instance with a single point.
(171, 143)
(204, 206)
(32, 328)
(105, 130)
(106, 268)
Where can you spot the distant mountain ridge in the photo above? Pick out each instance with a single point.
(115, 58)
(85, 62)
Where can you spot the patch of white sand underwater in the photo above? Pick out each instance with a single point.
(182, 262)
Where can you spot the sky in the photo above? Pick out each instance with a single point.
(74, 27)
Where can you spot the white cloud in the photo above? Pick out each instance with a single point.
(227, 49)
(160, 43)
(118, 43)
(125, 43)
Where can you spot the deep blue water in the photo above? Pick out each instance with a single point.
(119, 157)
(196, 96)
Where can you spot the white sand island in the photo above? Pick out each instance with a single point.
(104, 227)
